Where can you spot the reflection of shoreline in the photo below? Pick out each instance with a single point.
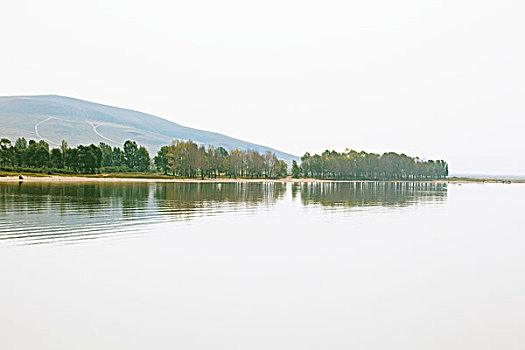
(47, 212)
(366, 194)
(131, 196)
(108, 178)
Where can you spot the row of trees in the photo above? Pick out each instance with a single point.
(81, 159)
(181, 158)
(352, 165)
(186, 158)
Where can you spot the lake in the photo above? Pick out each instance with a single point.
(262, 266)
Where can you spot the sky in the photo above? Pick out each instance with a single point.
(435, 79)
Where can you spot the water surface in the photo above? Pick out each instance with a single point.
(259, 266)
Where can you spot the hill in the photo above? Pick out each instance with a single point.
(54, 118)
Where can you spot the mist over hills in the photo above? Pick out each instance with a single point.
(54, 118)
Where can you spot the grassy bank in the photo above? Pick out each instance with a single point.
(49, 177)
(9, 176)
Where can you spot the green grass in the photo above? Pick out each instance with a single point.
(23, 173)
(45, 173)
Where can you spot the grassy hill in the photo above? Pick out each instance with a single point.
(54, 118)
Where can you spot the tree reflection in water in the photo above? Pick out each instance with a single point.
(33, 213)
(366, 194)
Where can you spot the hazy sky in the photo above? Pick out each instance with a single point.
(439, 79)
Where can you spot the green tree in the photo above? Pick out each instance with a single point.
(63, 150)
(72, 159)
(283, 171)
(107, 154)
(161, 159)
(21, 143)
(118, 157)
(40, 155)
(6, 154)
(55, 159)
(142, 160)
(89, 158)
(296, 170)
(130, 153)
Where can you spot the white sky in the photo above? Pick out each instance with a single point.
(438, 79)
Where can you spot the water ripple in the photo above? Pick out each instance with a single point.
(38, 213)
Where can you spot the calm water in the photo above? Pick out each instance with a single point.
(262, 266)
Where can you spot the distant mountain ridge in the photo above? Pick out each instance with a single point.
(54, 118)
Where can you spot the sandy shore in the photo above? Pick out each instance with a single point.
(58, 178)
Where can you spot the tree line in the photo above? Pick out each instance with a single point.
(181, 158)
(353, 165)
(186, 158)
(37, 155)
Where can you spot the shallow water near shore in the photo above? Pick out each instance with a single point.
(262, 265)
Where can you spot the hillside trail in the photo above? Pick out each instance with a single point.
(95, 126)
(38, 133)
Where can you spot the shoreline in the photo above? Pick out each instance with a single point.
(109, 178)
